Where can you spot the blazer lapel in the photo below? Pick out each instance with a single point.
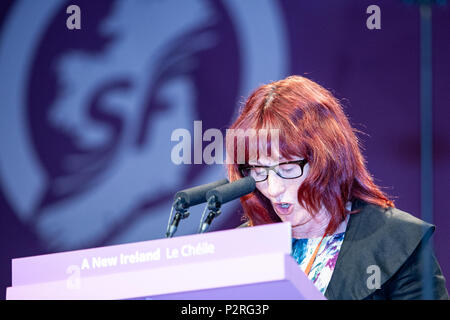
(338, 279)
(375, 238)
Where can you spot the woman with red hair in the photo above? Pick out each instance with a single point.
(347, 235)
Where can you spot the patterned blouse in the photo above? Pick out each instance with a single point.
(323, 266)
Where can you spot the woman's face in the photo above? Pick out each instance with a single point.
(282, 193)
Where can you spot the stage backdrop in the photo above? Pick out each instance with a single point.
(92, 94)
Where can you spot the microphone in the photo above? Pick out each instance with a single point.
(231, 191)
(223, 194)
(186, 198)
(190, 197)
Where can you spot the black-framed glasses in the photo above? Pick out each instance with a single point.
(285, 170)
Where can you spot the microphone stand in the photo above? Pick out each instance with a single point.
(214, 211)
(180, 213)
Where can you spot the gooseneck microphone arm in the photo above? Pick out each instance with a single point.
(222, 194)
(181, 213)
(214, 211)
(185, 199)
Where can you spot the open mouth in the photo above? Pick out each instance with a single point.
(283, 208)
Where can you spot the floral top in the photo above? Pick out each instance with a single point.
(323, 266)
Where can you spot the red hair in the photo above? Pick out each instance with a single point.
(311, 125)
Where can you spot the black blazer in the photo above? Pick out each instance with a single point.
(395, 242)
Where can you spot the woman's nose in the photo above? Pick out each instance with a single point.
(275, 185)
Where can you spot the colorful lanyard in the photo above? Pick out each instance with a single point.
(311, 261)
